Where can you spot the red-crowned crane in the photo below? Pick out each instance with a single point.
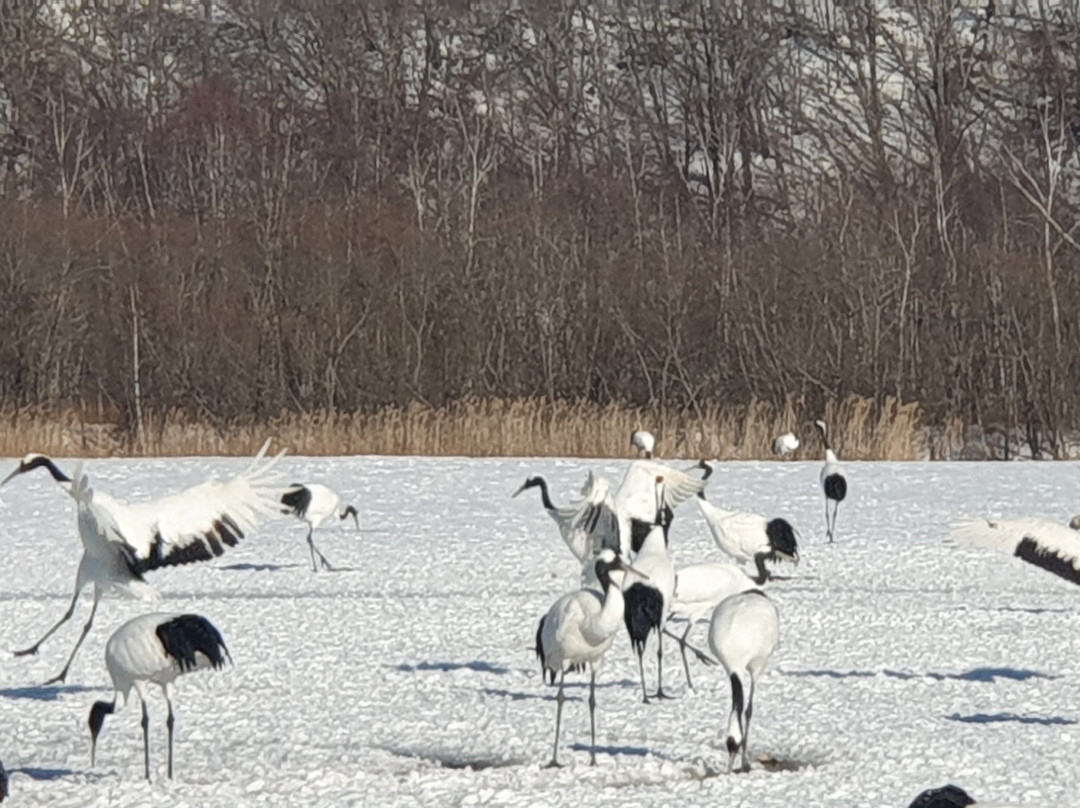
(155, 649)
(833, 482)
(743, 634)
(313, 504)
(1042, 542)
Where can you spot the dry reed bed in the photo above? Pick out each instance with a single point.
(860, 430)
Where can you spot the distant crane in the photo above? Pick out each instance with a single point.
(1042, 542)
(313, 504)
(833, 482)
(577, 631)
(743, 634)
(123, 541)
(785, 444)
(155, 649)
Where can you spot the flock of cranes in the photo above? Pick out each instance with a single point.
(620, 537)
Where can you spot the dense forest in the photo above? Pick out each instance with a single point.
(235, 209)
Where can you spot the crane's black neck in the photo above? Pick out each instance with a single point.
(97, 716)
(541, 483)
(824, 436)
(44, 462)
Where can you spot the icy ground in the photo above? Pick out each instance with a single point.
(407, 677)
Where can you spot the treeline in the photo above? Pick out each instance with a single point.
(230, 210)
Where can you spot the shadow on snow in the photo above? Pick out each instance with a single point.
(985, 718)
(445, 667)
(45, 692)
(988, 675)
(454, 759)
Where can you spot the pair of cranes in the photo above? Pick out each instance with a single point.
(603, 529)
(123, 541)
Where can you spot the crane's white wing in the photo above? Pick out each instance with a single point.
(636, 495)
(198, 523)
(700, 587)
(590, 524)
(1042, 542)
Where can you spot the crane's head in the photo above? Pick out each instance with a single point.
(643, 441)
(611, 569)
(531, 482)
(35, 461)
(96, 721)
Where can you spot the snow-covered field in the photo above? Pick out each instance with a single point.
(407, 677)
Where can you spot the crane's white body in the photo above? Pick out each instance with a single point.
(122, 541)
(743, 633)
(1042, 542)
(155, 649)
(313, 504)
(699, 588)
(738, 534)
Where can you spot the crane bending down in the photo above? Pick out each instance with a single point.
(122, 541)
(1042, 542)
(313, 504)
(699, 589)
(743, 634)
(155, 649)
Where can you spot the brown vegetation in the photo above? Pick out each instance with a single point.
(474, 426)
(423, 228)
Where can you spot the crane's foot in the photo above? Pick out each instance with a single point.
(660, 694)
(553, 764)
(27, 652)
(59, 678)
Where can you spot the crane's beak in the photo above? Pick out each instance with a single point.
(18, 470)
(625, 565)
(523, 487)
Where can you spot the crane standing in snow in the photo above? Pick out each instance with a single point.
(833, 482)
(578, 630)
(743, 634)
(155, 649)
(313, 504)
(122, 541)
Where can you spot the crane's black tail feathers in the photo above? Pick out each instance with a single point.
(186, 635)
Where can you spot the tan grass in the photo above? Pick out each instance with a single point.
(859, 430)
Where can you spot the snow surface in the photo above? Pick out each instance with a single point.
(408, 678)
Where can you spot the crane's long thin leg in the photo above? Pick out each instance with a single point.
(559, 699)
(145, 738)
(682, 650)
(832, 530)
(592, 715)
(828, 524)
(660, 694)
(67, 616)
(314, 551)
(746, 726)
(641, 672)
(86, 630)
(169, 723)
